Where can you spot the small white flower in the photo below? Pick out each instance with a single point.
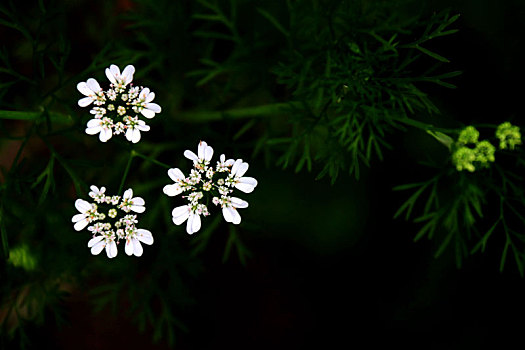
(245, 184)
(178, 187)
(117, 79)
(144, 104)
(229, 210)
(98, 243)
(102, 126)
(128, 203)
(97, 194)
(98, 112)
(203, 158)
(92, 90)
(183, 213)
(87, 214)
(134, 127)
(133, 246)
(112, 213)
(223, 164)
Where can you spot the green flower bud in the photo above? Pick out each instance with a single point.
(463, 158)
(485, 152)
(468, 135)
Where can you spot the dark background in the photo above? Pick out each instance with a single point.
(329, 265)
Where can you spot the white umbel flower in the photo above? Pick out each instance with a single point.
(106, 234)
(118, 110)
(206, 184)
(92, 90)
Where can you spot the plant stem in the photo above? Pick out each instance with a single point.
(237, 113)
(126, 171)
(154, 161)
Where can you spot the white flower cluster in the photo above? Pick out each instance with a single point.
(117, 110)
(207, 184)
(107, 226)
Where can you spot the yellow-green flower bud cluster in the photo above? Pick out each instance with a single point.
(509, 136)
(470, 153)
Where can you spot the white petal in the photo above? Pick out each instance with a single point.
(94, 241)
(127, 74)
(94, 130)
(94, 123)
(97, 248)
(148, 113)
(110, 76)
(145, 236)
(143, 127)
(105, 134)
(129, 247)
(138, 201)
(80, 225)
(236, 165)
(93, 85)
(137, 247)
(83, 88)
(194, 223)
(128, 194)
(201, 149)
(143, 95)
(151, 97)
(208, 153)
(82, 205)
(135, 136)
(246, 184)
(77, 217)
(115, 71)
(129, 134)
(242, 169)
(111, 249)
(231, 215)
(175, 174)
(153, 106)
(238, 203)
(138, 208)
(180, 214)
(190, 155)
(86, 101)
(227, 214)
(172, 190)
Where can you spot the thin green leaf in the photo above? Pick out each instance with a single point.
(432, 54)
(273, 21)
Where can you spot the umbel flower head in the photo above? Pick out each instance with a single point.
(111, 219)
(118, 109)
(509, 136)
(470, 158)
(207, 185)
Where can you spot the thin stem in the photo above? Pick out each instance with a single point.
(128, 165)
(238, 113)
(154, 161)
